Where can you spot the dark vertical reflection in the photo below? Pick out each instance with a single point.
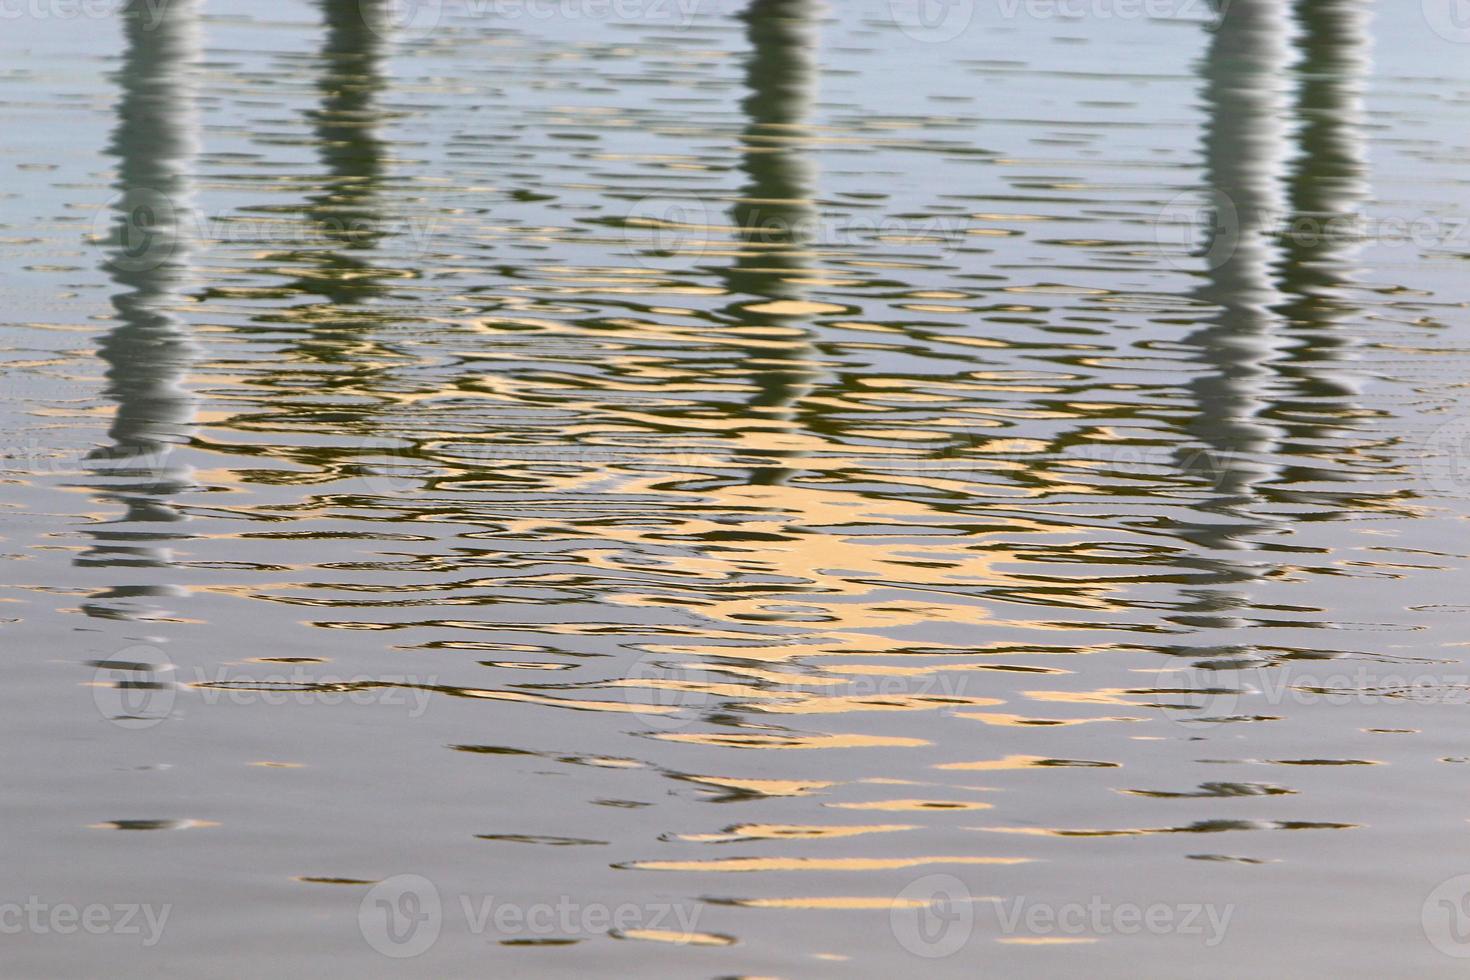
(150, 351)
(1326, 187)
(1245, 154)
(774, 217)
(335, 262)
(1276, 266)
(1244, 145)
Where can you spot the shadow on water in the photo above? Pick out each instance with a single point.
(150, 351)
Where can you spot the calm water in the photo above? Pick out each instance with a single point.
(735, 489)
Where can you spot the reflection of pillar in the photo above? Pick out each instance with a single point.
(1245, 150)
(1327, 184)
(774, 216)
(331, 266)
(344, 213)
(1296, 229)
(149, 352)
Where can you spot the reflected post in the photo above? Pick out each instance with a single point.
(775, 218)
(149, 352)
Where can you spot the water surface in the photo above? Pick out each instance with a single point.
(824, 487)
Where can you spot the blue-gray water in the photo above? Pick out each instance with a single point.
(714, 488)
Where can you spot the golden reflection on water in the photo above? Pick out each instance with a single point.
(638, 442)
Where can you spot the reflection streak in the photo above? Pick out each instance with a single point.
(149, 352)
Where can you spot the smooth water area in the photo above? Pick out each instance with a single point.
(750, 488)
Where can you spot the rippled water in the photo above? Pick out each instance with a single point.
(750, 488)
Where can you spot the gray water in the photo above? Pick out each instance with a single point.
(717, 489)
